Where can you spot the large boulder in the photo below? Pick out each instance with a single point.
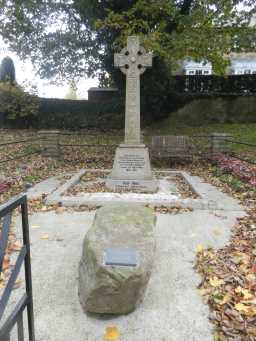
(126, 230)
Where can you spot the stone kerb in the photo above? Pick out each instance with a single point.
(219, 143)
(49, 143)
(117, 287)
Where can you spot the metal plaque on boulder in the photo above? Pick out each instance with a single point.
(120, 257)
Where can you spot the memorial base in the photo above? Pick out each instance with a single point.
(132, 170)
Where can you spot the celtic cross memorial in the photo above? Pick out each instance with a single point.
(131, 168)
(133, 61)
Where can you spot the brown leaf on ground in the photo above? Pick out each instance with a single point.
(228, 274)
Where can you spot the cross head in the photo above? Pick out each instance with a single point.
(133, 59)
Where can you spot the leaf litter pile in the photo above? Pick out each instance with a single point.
(183, 187)
(229, 274)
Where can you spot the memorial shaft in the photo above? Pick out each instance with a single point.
(132, 111)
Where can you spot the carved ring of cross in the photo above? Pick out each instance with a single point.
(133, 61)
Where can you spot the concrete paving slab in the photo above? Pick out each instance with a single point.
(45, 187)
(172, 310)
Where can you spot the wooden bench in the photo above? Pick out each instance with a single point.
(171, 146)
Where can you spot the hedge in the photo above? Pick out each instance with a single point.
(222, 109)
(73, 115)
(188, 109)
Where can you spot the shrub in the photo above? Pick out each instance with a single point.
(16, 103)
(238, 168)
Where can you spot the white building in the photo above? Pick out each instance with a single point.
(191, 68)
(241, 64)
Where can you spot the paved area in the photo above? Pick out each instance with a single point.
(46, 187)
(172, 310)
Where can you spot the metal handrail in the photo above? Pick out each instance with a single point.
(18, 142)
(23, 257)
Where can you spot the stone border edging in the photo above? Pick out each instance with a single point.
(210, 198)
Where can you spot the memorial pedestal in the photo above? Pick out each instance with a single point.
(131, 170)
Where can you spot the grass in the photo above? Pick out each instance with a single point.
(240, 131)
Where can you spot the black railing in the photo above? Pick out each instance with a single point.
(19, 155)
(211, 84)
(16, 317)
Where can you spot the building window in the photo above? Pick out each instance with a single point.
(247, 72)
(199, 72)
(191, 72)
(206, 72)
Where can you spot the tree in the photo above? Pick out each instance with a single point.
(84, 34)
(7, 71)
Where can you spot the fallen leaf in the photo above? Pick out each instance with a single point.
(241, 307)
(16, 246)
(60, 210)
(6, 263)
(199, 248)
(35, 227)
(251, 277)
(111, 334)
(245, 292)
(202, 291)
(217, 232)
(226, 299)
(45, 236)
(17, 283)
(216, 282)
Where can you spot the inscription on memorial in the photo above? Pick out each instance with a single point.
(127, 185)
(131, 162)
(120, 257)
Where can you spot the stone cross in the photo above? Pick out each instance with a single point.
(133, 61)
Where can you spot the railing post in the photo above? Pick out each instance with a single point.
(49, 143)
(28, 275)
(219, 143)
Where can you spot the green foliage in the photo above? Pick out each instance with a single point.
(89, 32)
(16, 103)
(234, 182)
(7, 71)
(93, 30)
(74, 115)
